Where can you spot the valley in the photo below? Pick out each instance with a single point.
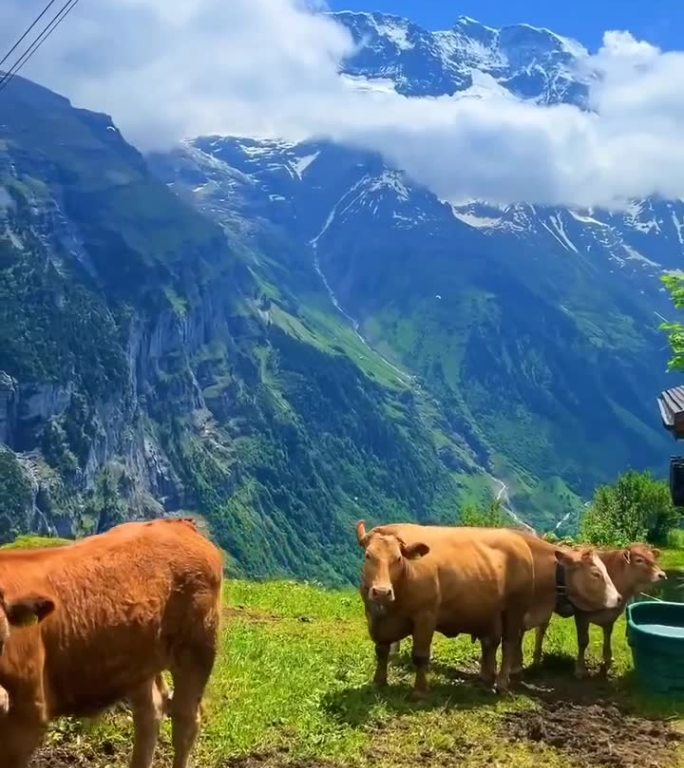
(281, 337)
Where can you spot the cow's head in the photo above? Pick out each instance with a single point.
(386, 556)
(641, 567)
(589, 586)
(21, 612)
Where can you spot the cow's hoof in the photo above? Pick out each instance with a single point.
(4, 701)
(581, 673)
(418, 694)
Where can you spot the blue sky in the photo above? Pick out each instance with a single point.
(660, 22)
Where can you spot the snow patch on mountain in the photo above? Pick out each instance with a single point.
(369, 84)
(304, 162)
(588, 220)
(395, 32)
(634, 255)
(474, 220)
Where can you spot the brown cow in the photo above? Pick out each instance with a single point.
(128, 604)
(450, 580)
(561, 577)
(633, 570)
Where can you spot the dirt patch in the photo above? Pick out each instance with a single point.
(66, 757)
(253, 617)
(273, 760)
(599, 734)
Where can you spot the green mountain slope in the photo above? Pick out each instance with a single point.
(542, 355)
(553, 369)
(152, 363)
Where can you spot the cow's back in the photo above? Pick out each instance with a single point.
(128, 602)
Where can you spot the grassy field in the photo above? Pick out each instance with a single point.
(291, 688)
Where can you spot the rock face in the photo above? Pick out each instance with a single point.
(149, 365)
(8, 408)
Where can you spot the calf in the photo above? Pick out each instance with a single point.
(417, 580)
(633, 570)
(128, 604)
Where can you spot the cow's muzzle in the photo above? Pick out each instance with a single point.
(381, 594)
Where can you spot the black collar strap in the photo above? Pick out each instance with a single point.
(564, 606)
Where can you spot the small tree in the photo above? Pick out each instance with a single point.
(675, 331)
(492, 516)
(636, 508)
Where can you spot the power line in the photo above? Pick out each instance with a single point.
(19, 41)
(35, 45)
(49, 28)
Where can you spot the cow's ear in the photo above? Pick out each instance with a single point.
(414, 551)
(656, 553)
(361, 535)
(29, 610)
(587, 555)
(565, 557)
(627, 555)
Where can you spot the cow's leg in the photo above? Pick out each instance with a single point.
(513, 623)
(18, 742)
(582, 625)
(539, 634)
(423, 630)
(518, 660)
(191, 673)
(148, 711)
(382, 652)
(607, 648)
(489, 645)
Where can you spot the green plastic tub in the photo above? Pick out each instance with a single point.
(655, 633)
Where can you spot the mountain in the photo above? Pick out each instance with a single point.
(151, 365)
(528, 62)
(283, 337)
(534, 329)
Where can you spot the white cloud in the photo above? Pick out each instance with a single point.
(168, 69)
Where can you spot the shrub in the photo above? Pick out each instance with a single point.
(492, 516)
(636, 508)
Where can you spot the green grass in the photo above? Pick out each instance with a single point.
(35, 542)
(292, 687)
(672, 558)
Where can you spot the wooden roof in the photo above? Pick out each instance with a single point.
(671, 405)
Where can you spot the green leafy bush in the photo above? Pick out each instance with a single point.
(492, 516)
(636, 508)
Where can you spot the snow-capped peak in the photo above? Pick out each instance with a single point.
(530, 62)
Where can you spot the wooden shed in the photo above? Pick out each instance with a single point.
(671, 405)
